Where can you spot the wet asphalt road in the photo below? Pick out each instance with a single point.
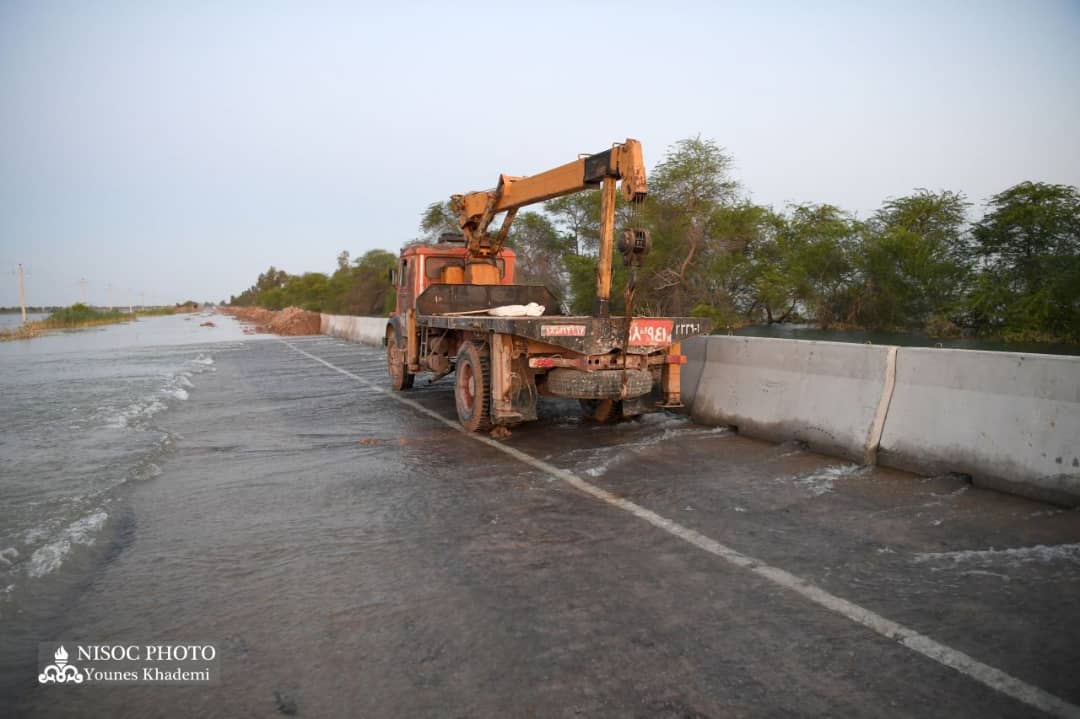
(353, 556)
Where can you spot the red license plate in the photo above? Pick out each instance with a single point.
(645, 333)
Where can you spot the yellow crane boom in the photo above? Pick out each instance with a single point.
(623, 162)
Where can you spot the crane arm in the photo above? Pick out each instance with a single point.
(476, 209)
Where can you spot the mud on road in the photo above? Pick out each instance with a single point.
(357, 556)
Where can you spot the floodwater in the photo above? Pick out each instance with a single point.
(903, 339)
(82, 422)
(10, 320)
(353, 555)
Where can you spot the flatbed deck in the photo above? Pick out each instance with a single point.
(582, 334)
(463, 308)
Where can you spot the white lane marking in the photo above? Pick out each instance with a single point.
(916, 642)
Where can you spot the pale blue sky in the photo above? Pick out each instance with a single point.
(179, 149)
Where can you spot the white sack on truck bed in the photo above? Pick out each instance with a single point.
(530, 310)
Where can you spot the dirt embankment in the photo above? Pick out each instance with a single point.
(289, 321)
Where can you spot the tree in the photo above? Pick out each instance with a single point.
(685, 190)
(729, 288)
(439, 217)
(270, 280)
(821, 242)
(1028, 247)
(581, 282)
(915, 262)
(371, 292)
(578, 216)
(541, 251)
(307, 291)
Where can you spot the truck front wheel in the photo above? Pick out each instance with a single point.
(400, 377)
(472, 388)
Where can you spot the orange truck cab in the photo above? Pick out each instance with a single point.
(420, 266)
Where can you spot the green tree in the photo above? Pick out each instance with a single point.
(685, 190)
(578, 216)
(541, 252)
(307, 291)
(1028, 279)
(821, 240)
(371, 292)
(270, 280)
(796, 264)
(915, 262)
(437, 218)
(581, 281)
(729, 287)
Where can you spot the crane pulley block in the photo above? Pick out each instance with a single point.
(634, 245)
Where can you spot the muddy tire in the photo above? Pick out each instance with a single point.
(472, 388)
(612, 384)
(603, 411)
(400, 377)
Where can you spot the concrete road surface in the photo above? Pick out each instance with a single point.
(352, 554)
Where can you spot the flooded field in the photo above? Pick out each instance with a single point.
(10, 320)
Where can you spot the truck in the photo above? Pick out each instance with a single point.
(458, 310)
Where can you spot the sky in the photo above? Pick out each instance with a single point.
(175, 150)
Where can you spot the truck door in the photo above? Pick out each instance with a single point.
(405, 284)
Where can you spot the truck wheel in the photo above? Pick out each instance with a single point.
(472, 388)
(601, 410)
(400, 377)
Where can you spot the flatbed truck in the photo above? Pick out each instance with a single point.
(446, 291)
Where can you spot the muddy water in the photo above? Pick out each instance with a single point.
(314, 531)
(10, 320)
(82, 424)
(351, 556)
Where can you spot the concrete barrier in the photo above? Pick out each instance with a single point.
(690, 375)
(1011, 421)
(365, 330)
(831, 395)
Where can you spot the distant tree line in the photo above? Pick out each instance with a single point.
(916, 264)
(359, 287)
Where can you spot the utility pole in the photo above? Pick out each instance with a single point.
(22, 294)
(82, 290)
(109, 290)
(131, 310)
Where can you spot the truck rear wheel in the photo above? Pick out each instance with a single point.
(472, 388)
(400, 377)
(601, 410)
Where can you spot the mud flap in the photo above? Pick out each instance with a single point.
(513, 389)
